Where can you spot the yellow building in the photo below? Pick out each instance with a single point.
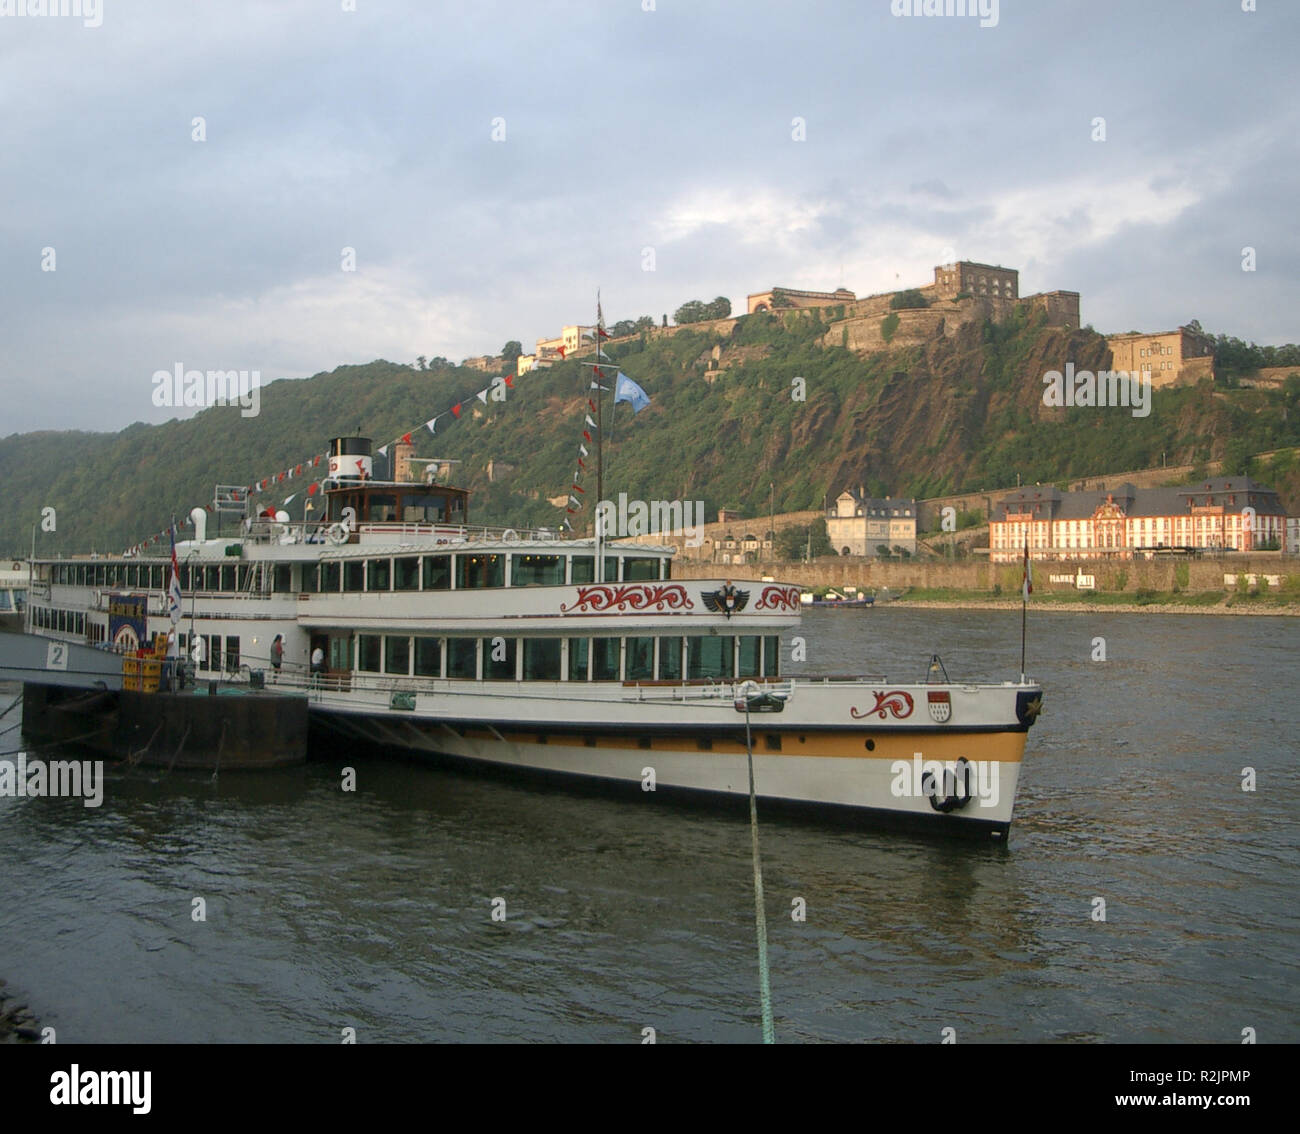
(762, 301)
(1173, 357)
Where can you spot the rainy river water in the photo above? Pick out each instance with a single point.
(371, 910)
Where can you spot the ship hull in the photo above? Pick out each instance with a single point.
(824, 774)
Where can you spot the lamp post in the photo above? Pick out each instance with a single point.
(771, 515)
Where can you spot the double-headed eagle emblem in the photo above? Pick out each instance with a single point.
(725, 600)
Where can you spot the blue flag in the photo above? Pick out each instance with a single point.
(625, 390)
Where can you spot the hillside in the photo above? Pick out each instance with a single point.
(957, 413)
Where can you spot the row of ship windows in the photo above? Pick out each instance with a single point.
(397, 573)
(571, 659)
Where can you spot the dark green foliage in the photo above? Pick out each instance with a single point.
(964, 415)
(910, 298)
(888, 325)
(512, 350)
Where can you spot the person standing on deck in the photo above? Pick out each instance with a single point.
(277, 658)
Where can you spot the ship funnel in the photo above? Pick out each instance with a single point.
(350, 458)
(200, 518)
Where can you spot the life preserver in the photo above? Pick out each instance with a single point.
(509, 535)
(337, 533)
(956, 787)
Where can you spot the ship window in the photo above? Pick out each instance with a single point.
(583, 569)
(462, 657)
(212, 578)
(578, 655)
(310, 578)
(379, 574)
(132, 575)
(428, 657)
(537, 570)
(499, 659)
(541, 659)
(423, 509)
(709, 657)
(4, 600)
(368, 652)
(480, 571)
(383, 508)
(771, 656)
(406, 573)
(228, 577)
(670, 659)
(329, 577)
(640, 660)
(604, 659)
(354, 575)
(611, 568)
(156, 574)
(749, 652)
(437, 572)
(639, 568)
(397, 655)
(232, 653)
(282, 578)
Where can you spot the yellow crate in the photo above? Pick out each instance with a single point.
(131, 684)
(149, 685)
(150, 669)
(131, 666)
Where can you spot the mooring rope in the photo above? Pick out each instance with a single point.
(760, 916)
(10, 706)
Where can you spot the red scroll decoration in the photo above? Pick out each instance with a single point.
(778, 598)
(895, 701)
(633, 596)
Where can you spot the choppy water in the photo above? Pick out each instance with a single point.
(372, 910)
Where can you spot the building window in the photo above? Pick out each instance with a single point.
(379, 574)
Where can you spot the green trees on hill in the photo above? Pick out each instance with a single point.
(961, 414)
(696, 311)
(910, 298)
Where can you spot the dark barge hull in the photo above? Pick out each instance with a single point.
(186, 730)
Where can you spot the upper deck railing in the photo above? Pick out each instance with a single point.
(421, 534)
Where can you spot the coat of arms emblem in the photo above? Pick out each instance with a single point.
(725, 600)
(940, 706)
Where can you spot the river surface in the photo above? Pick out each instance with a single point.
(371, 910)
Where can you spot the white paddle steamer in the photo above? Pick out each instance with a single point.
(538, 654)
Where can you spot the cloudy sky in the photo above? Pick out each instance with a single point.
(746, 143)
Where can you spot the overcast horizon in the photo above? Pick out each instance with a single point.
(617, 130)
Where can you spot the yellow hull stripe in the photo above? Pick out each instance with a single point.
(1006, 747)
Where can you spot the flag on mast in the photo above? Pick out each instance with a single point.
(1027, 583)
(174, 597)
(625, 390)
